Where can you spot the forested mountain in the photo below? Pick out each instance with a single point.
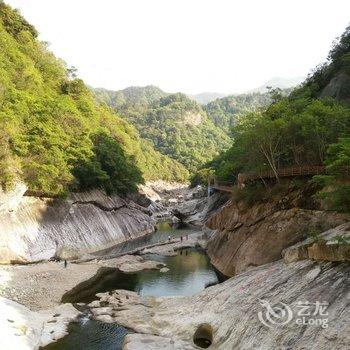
(132, 97)
(176, 125)
(311, 126)
(54, 135)
(224, 112)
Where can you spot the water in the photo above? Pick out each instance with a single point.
(91, 335)
(189, 272)
(164, 230)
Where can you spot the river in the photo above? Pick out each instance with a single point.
(189, 272)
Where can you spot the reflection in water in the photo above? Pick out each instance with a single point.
(91, 335)
(164, 230)
(190, 272)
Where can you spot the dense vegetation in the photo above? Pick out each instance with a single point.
(309, 127)
(175, 125)
(225, 111)
(54, 135)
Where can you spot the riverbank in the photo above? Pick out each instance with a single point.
(42, 285)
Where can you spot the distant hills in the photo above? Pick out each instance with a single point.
(190, 129)
(174, 124)
(223, 112)
(205, 97)
(277, 82)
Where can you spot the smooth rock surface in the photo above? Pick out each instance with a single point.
(34, 229)
(232, 310)
(153, 342)
(23, 329)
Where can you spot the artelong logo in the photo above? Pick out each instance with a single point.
(280, 314)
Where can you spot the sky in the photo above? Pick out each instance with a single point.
(192, 46)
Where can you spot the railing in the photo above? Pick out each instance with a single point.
(304, 170)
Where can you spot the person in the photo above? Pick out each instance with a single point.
(181, 238)
(169, 238)
(65, 263)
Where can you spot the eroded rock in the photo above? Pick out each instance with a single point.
(34, 229)
(323, 247)
(231, 309)
(249, 237)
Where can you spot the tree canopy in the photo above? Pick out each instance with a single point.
(52, 129)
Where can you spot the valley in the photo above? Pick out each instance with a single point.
(139, 219)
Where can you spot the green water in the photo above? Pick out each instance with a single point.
(189, 272)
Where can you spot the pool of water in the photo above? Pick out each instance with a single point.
(163, 232)
(91, 335)
(189, 272)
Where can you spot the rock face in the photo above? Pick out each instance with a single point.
(249, 237)
(33, 229)
(197, 210)
(338, 88)
(231, 310)
(331, 245)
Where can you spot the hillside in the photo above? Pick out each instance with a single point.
(332, 78)
(54, 135)
(173, 123)
(223, 112)
(309, 127)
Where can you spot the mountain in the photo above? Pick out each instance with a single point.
(206, 97)
(131, 96)
(278, 82)
(175, 125)
(54, 134)
(223, 112)
(308, 127)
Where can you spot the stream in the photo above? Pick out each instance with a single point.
(189, 272)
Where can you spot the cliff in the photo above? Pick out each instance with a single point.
(249, 236)
(34, 229)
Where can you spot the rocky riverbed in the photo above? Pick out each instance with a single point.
(246, 243)
(228, 313)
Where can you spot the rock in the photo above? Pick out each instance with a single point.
(164, 270)
(142, 265)
(34, 229)
(29, 329)
(197, 211)
(248, 237)
(153, 342)
(338, 87)
(327, 248)
(329, 252)
(231, 311)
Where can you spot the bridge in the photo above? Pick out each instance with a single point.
(294, 171)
